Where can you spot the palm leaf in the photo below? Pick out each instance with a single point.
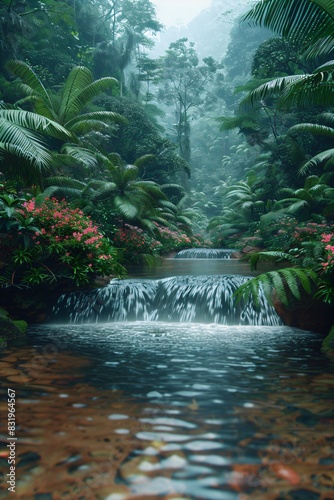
(37, 123)
(32, 83)
(62, 181)
(96, 116)
(144, 160)
(130, 173)
(66, 191)
(23, 143)
(80, 99)
(125, 207)
(317, 160)
(321, 47)
(315, 89)
(294, 19)
(268, 256)
(312, 128)
(270, 89)
(104, 190)
(80, 154)
(40, 106)
(78, 79)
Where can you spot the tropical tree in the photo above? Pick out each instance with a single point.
(133, 199)
(112, 58)
(184, 84)
(67, 106)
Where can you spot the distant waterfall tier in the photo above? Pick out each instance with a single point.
(187, 299)
(205, 253)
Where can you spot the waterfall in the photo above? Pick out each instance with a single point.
(205, 253)
(198, 299)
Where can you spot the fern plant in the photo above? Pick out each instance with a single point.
(284, 284)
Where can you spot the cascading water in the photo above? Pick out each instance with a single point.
(205, 253)
(199, 299)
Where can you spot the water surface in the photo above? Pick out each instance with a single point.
(138, 410)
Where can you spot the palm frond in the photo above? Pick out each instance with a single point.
(31, 81)
(294, 19)
(81, 98)
(125, 207)
(321, 47)
(240, 121)
(62, 181)
(315, 89)
(80, 154)
(64, 191)
(312, 128)
(319, 159)
(144, 160)
(273, 88)
(35, 122)
(78, 79)
(98, 117)
(130, 172)
(24, 143)
(269, 256)
(326, 119)
(105, 190)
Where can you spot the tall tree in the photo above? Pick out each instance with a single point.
(185, 85)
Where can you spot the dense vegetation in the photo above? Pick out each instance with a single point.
(109, 156)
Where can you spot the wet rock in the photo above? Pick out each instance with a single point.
(250, 249)
(306, 314)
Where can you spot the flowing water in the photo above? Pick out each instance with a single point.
(205, 253)
(163, 405)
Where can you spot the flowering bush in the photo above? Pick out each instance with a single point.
(177, 239)
(328, 243)
(172, 240)
(254, 241)
(65, 245)
(286, 232)
(135, 243)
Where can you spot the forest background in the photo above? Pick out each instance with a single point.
(121, 142)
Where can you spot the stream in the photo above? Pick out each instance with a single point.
(146, 390)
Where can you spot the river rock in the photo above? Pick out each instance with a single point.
(307, 314)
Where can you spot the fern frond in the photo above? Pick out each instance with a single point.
(283, 282)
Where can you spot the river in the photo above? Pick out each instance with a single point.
(154, 409)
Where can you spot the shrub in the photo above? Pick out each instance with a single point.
(65, 244)
(135, 243)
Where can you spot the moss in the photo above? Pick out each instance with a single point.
(328, 343)
(8, 329)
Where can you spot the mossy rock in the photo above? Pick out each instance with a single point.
(328, 343)
(9, 330)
